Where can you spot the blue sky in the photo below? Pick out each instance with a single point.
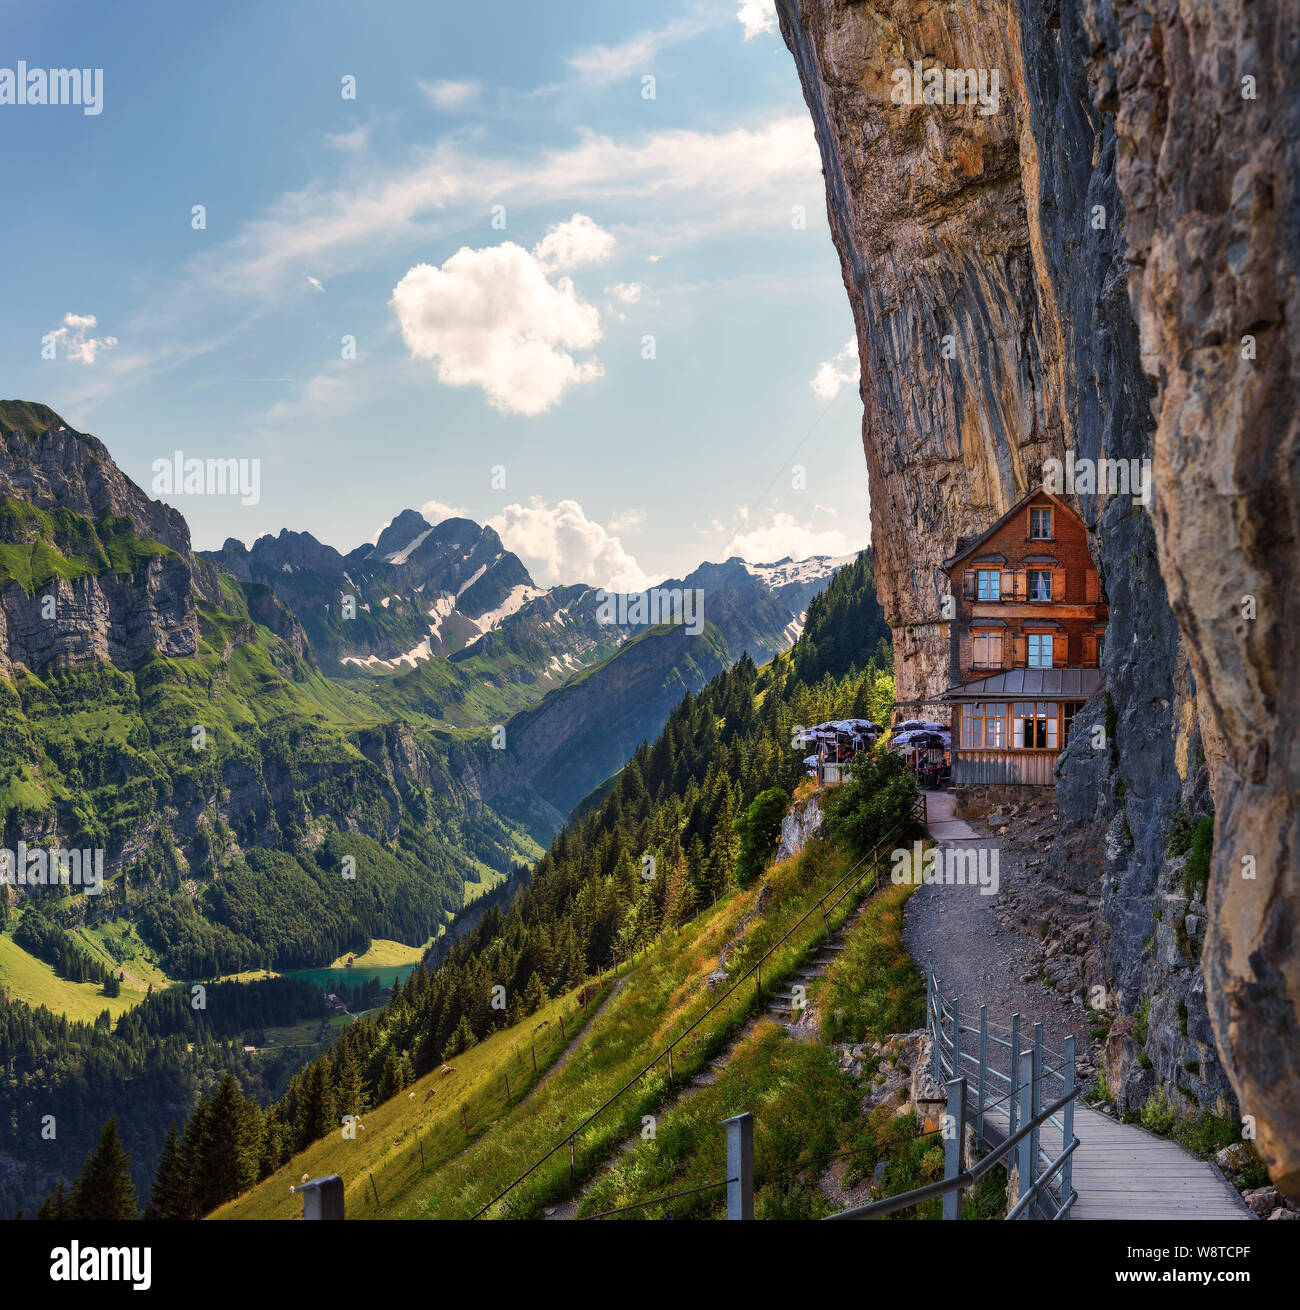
(482, 343)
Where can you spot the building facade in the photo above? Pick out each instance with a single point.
(1026, 642)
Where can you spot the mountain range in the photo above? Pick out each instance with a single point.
(208, 719)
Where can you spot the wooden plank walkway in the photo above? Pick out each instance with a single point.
(1122, 1171)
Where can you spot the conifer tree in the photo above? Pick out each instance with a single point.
(104, 1190)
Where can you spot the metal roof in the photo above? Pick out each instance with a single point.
(1017, 683)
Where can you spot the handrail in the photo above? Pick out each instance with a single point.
(872, 858)
(1025, 1114)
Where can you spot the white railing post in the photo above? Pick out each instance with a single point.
(982, 1089)
(1037, 1100)
(322, 1198)
(954, 1131)
(956, 1037)
(1067, 1132)
(1025, 1151)
(740, 1166)
(1013, 1090)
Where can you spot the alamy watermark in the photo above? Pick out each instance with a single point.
(38, 867)
(948, 866)
(919, 85)
(53, 86)
(1101, 477)
(179, 476)
(684, 605)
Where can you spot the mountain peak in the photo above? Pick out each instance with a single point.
(400, 533)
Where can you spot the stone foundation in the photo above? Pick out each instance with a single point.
(977, 799)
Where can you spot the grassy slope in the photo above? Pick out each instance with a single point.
(661, 994)
(28, 979)
(427, 1113)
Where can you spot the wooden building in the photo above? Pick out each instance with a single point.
(1026, 642)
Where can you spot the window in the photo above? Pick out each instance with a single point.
(984, 726)
(1069, 710)
(988, 584)
(986, 650)
(1033, 725)
(1040, 650)
(1040, 524)
(1040, 584)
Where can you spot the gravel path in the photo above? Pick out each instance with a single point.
(981, 960)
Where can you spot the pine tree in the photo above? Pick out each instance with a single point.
(172, 1195)
(105, 1190)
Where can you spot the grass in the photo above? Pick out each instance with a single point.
(25, 978)
(383, 954)
(873, 988)
(661, 994)
(803, 1106)
(426, 1114)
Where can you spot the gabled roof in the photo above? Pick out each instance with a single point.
(967, 544)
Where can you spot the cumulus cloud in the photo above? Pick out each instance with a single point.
(606, 63)
(784, 535)
(437, 511)
(757, 17)
(448, 95)
(73, 340)
(628, 292)
(836, 373)
(490, 318)
(575, 243)
(560, 544)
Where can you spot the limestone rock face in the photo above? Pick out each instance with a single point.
(1211, 194)
(1074, 274)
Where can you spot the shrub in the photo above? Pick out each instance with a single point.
(874, 804)
(758, 828)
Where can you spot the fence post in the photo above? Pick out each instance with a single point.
(322, 1198)
(740, 1166)
(1013, 1096)
(1025, 1151)
(956, 1037)
(571, 1159)
(955, 1118)
(1037, 1100)
(1067, 1133)
(982, 1090)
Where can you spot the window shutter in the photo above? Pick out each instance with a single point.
(1000, 649)
(968, 585)
(1008, 585)
(1058, 584)
(1092, 586)
(1060, 650)
(1019, 651)
(1090, 650)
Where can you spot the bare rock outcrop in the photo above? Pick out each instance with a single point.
(1103, 265)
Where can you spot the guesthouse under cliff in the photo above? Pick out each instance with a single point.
(1026, 642)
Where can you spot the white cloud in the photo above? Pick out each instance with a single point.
(757, 17)
(490, 318)
(560, 544)
(575, 243)
(784, 535)
(73, 340)
(837, 372)
(628, 292)
(352, 141)
(605, 63)
(629, 518)
(436, 511)
(449, 96)
(702, 183)
(316, 282)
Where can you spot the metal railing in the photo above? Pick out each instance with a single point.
(1009, 1130)
(824, 906)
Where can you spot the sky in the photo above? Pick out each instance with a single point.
(560, 268)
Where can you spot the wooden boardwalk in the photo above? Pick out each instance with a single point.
(1122, 1171)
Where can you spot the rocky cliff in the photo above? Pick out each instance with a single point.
(1069, 268)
